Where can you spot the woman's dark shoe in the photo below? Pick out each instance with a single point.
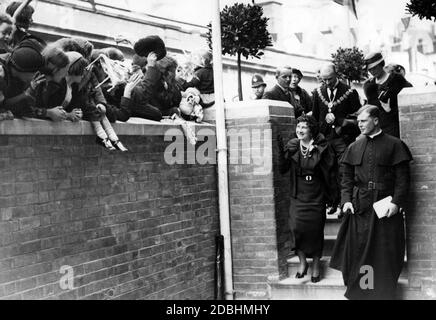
(301, 275)
(317, 278)
(118, 145)
(105, 143)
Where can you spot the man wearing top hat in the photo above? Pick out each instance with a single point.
(258, 87)
(281, 92)
(382, 91)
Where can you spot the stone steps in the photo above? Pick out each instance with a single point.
(331, 286)
(294, 262)
(329, 242)
(332, 227)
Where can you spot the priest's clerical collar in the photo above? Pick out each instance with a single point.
(372, 136)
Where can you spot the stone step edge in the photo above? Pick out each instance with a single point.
(326, 259)
(334, 283)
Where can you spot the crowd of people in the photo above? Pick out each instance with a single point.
(70, 80)
(345, 157)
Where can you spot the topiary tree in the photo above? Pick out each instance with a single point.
(243, 33)
(350, 64)
(424, 9)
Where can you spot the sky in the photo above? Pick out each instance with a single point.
(198, 11)
(376, 19)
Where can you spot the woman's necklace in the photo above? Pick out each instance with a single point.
(305, 150)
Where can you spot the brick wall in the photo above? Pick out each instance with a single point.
(131, 226)
(259, 195)
(418, 130)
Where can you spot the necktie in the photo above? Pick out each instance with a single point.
(288, 95)
(332, 95)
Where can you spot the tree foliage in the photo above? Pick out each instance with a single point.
(424, 9)
(350, 64)
(243, 30)
(243, 33)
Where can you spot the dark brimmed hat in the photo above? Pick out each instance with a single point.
(373, 59)
(27, 57)
(155, 44)
(257, 81)
(297, 72)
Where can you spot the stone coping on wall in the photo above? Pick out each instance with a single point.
(417, 96)
(134, 127)
(252, 109)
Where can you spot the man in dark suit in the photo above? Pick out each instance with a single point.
(333, 104)
(281, 92)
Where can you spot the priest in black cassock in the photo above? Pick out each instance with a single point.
(370, 250)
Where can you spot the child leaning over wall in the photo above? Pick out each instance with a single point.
(117, 89)
(202, 80)
(74, 97)
(6, 25)
(17, 70)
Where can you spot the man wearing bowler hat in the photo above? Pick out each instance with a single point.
(258, 87)
(382, 91)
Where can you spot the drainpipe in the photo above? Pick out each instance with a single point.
(223, 185)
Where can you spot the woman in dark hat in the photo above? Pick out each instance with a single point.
(311, 162)
(158, 89)
(17, 70)
(301, 97)
(143, 47)
(158, 94)
(382, 91)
